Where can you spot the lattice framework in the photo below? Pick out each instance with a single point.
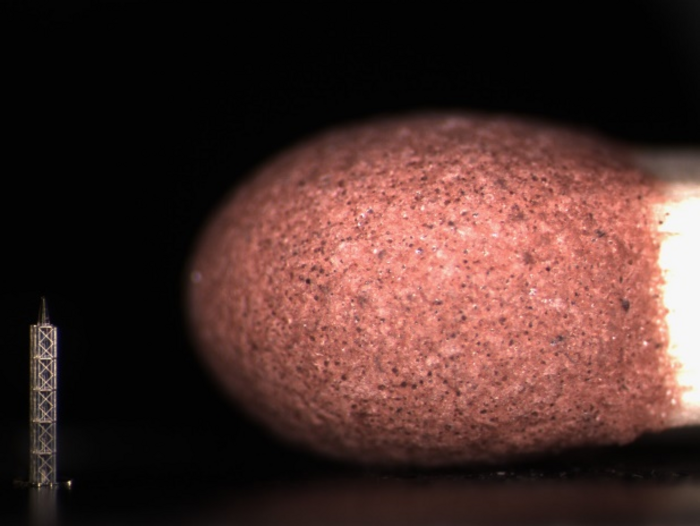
(42, 417)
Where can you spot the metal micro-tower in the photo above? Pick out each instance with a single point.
(42, 396)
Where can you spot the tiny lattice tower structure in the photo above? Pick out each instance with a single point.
(42, 409)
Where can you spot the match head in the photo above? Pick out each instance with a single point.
(439, 289)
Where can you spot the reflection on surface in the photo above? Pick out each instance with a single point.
(42, 506)
(445, 501)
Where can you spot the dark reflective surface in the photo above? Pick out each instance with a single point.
(654, 481)
(454, 501)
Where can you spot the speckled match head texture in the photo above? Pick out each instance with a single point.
(438, 289)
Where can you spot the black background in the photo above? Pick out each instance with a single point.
(126, 122)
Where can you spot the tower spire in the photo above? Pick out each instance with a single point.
(43, 313)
